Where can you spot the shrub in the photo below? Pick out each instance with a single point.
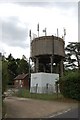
(70, 85)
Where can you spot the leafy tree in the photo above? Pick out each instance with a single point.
(72, 58)
(12, 68)
(10, 58)
(70, 85)
(23, 66)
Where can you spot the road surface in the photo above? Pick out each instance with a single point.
(70, 113)
(30, 108)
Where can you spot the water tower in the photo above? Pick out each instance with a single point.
(47, 53)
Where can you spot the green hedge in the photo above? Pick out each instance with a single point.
(70, 85)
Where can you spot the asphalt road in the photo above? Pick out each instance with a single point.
(29, 108)
(71, 113)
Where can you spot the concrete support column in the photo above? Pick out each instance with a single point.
(44, 68)
(57, 68)
(37, 64)
(34, 66)
(52, 64)
(61, 68)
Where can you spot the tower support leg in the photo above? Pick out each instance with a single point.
(52, 64)
(37, 64)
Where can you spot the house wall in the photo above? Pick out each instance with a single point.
(22, 83)
(26, 82)
(43, 82)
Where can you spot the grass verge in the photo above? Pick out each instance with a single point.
(26, 94)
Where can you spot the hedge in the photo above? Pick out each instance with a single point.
(70, 85)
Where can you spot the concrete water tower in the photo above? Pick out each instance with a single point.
(47, 53)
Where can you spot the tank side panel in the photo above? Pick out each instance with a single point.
(59, 47)
(41, 47)
(47, 46)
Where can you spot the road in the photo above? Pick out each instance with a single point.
(70, 113)
(30, 108)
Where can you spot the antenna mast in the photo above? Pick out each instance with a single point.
(64, 33)
(38, 29)
(45, 32)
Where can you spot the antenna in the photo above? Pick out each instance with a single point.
(34, 36)
(38, 29)
(45, 32)
(64, 33)
(30, 34)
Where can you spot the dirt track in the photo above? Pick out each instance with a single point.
(29, 108)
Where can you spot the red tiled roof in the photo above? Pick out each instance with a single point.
(20, 77)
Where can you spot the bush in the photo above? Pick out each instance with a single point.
(70, 85)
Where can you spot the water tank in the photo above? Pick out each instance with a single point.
(47, 45)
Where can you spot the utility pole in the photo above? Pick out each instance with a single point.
(29, 60)
(30, 41)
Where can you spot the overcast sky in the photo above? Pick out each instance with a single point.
(17, 18)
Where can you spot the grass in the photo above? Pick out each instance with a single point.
(26, 94)
(50, 97)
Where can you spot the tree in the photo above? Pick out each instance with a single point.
(10, 58)
(23, 66)
(70, 85)
(72, 58)
(12, 68)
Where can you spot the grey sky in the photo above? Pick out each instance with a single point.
(48, 4)
(12, 33)
(18, 18)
